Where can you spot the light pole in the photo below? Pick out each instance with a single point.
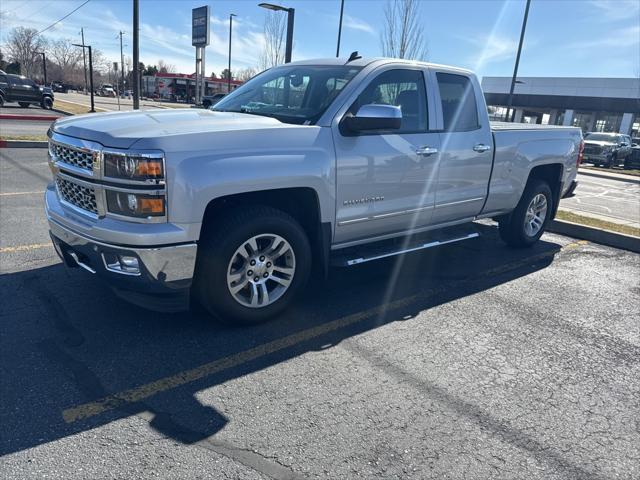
(93, 109)
(290, 16)
(44, 66)
(231, 15)
(136, 57)
(340, 28)
(515, 69)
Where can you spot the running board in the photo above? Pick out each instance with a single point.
(379, 253)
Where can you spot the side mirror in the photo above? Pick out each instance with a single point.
(374, 117)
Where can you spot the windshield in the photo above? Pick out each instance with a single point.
(293, 94)
(602, 137)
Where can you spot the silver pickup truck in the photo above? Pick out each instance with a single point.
(306, 165)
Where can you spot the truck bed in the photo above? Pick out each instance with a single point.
(503, 126)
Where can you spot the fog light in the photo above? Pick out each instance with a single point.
(123, 264)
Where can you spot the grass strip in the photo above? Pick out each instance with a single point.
(73, 108)
(597, 223)
(31, 138)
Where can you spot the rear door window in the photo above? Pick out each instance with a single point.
(459, 109)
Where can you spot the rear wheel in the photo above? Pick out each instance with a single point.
(251, 265)
(1, 101)
(526, 224)
(24, 104)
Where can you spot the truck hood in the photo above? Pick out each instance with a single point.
(123, 129)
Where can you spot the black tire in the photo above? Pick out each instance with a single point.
(512, 227)
(218, 245)
(206, 104)
(24, 104)
(47, 103)
(1, 101)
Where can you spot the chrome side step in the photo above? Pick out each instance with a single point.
(434, 243)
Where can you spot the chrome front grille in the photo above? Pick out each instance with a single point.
(77, 195)
(73, 156)
(592, 149)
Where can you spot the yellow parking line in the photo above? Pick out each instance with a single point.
(142, 392)
(22, 248)
(9, 194)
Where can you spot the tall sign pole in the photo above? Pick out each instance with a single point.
(136, 57)
(340, 28)
(515, 69)
(200, 39)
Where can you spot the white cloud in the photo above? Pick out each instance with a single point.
(357, 24)
(627, 37)
(615, 9)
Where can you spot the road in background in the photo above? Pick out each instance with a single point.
(9, 128)
(468, 360)
(111, 103)
(612, 200)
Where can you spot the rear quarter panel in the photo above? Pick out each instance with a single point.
(518, 150)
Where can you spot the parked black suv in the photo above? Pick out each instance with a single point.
(16, 88)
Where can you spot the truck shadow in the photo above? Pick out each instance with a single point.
(67, 341)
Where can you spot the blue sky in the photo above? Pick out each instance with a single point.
(574, 38)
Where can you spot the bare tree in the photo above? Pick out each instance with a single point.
(246, 74)
(403, 35)
(274, 41)
(66, 56)
(22, 46)
(164, 67)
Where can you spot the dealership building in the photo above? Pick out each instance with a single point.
(181, 86)
(593, 104)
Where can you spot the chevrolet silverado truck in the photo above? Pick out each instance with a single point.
(307, 165)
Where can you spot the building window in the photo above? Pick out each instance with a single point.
(608, 122)
(583, 120)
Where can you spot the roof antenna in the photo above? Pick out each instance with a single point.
(353, 56)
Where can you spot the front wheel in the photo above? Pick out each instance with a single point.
(526, 224)
(47, 103)
(251, 264)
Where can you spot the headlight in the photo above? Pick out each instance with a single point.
(135, 204)
(133, 167)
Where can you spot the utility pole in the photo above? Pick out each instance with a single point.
(229, 68)
(44, 66)
(136, 57)
(340, 28)
(84, 60)
(515, 69)
(121, 62)
(93, 109)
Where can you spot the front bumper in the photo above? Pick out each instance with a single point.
(163, 282)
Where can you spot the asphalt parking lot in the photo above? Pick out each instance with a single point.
(468, 361)
(611, 200)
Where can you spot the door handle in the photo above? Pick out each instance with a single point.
(481, 148)
(426, 151)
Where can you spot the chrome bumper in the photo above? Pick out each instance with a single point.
(169, 264)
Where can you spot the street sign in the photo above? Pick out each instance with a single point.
(200, 26)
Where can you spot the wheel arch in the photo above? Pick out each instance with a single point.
(552, 174)
(302, 203)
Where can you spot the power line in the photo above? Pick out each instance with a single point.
(55, 23)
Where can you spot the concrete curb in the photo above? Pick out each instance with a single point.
(62, 112)
(608, 176)
(23, 144)
(44, 118)
(596, 235)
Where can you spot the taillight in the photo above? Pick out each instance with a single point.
(580, 154)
